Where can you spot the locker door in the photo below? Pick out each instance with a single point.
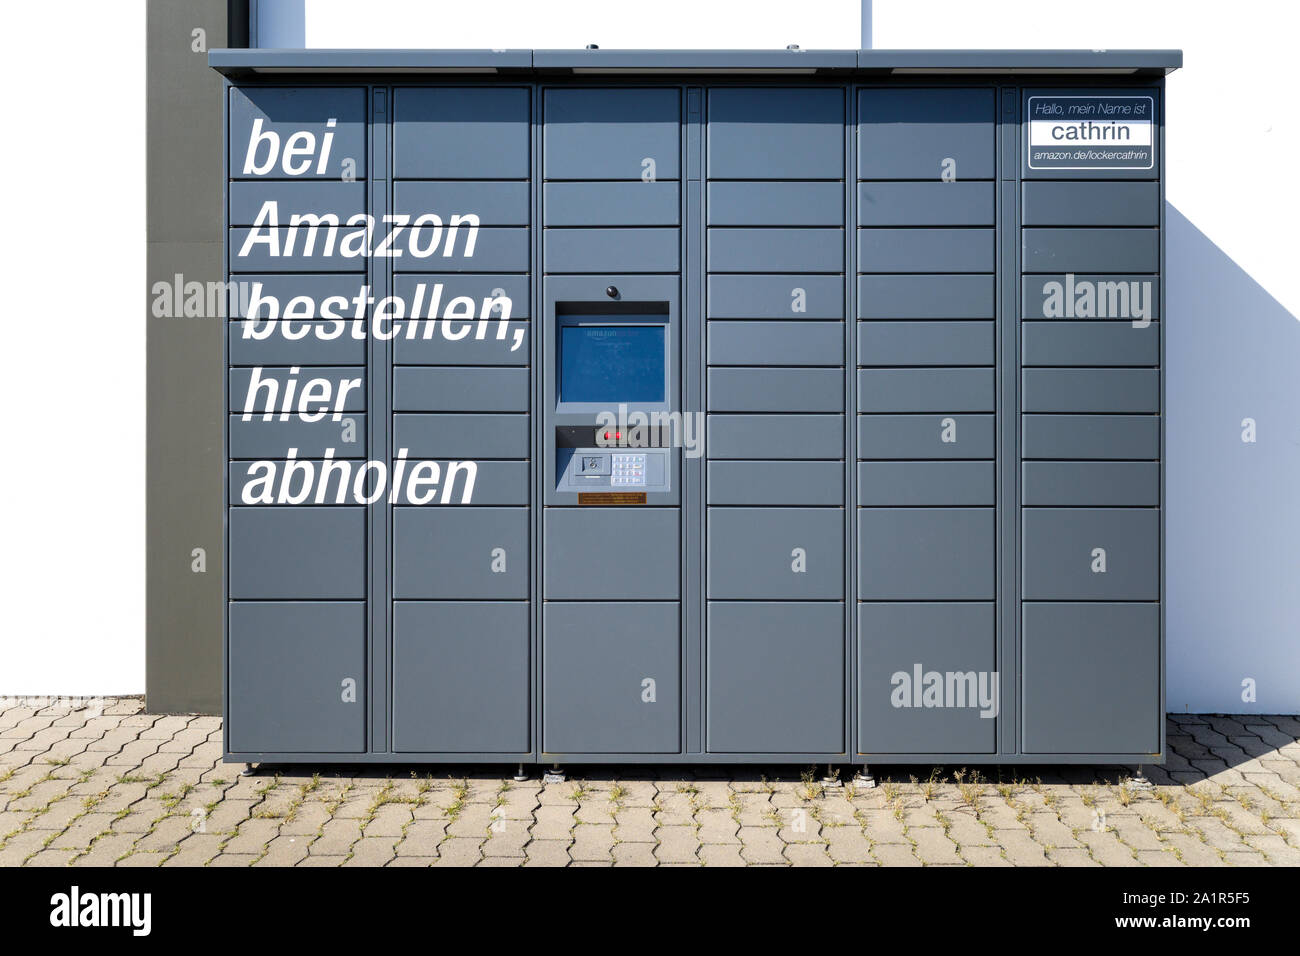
(609, 134)
(775, 677)
(1091, 678)
(466, 552)
(460, 677)
(611, 674)
(1092, 401)
(296, 677)
(901, 707)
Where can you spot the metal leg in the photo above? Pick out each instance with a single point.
(832, 778)
(863, 779)
(248, 771)
(554, 775)
(1139, 782)
(520, 776)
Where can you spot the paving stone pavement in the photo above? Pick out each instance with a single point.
(109, 785)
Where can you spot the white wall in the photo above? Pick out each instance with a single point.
(1233, 339)
(72, 391)
(72, 573)
(560, 24)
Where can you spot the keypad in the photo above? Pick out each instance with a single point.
(627, 470)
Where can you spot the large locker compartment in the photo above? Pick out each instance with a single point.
(681, 407)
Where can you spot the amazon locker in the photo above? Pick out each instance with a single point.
(694, 407)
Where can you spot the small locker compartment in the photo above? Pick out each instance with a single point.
(794, 297)
(770, 343)
(611, 204)
(296, 677)
(464, 436)
(1075, 390)
(1100, 437)
(775, 203)
(775, 389)
(451, 551)
(956, 203)
(1090, 250)
(256, 439)
(611, 554)
(287, 394)
(1093, 297)
(460, 389)
(1090, 204)
(1087, 554)
(494, 203)
(494, 483)
(775, 677)
(903, 484)
(932, 249)
(775, 133)
(771, 249)
(261, 118)
(611, 676)
(927, 678)
(925, 297)
(1090, 484)
(925, 390)
(775, 483)
(248, 199)
(921, 133)
(1056, 342)
(778, 553)
(611, 250)
(465, 248)
(775, 436)
(460, 133)
(460, 677)
(925, 343)
(611, 134)
(919, 554)
(293, 343)
(925, 436)
(297, 553)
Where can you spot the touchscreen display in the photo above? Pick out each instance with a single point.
(609, 364)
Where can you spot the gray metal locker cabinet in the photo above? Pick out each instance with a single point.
(775, 673)
(926, 396)
(611, 650)
(1091, 445)
(460, 576)
(297, 677)
(924, 339)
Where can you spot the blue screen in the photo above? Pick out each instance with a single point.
(612, 363)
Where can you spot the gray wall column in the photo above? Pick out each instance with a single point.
(183, 385)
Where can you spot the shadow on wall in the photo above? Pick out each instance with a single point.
(1232, 358)
(282, 24)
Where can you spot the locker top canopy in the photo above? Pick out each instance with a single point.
(236, 63)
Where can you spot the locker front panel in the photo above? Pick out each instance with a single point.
(775, 677)
(296, 677)
(611, 678)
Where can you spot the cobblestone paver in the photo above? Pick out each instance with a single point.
(108, 784)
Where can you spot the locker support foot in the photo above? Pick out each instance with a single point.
(1139, 782)
(520, 776)
(249, 770)
(554, 775)
(863, 779)
(832, 777)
